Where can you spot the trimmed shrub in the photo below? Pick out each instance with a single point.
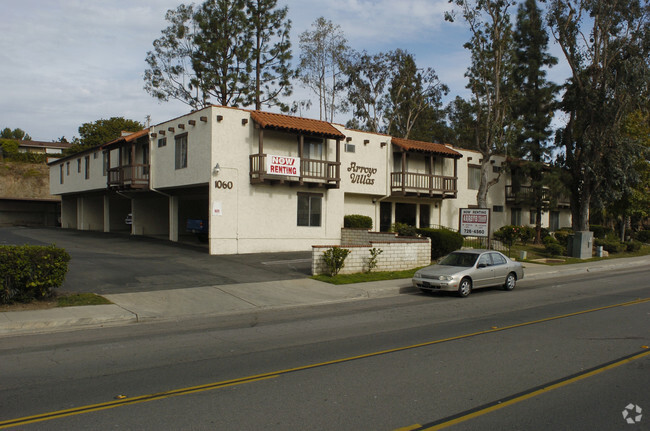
(30, 272)
(527, 234)
(633, 246)
(443, 241)
(357, 221)
(554, 249)
(335, 259)
(507, 234)
(611, 246)
(562, 236)
(643, 236)
(600, 231)
(403, 229)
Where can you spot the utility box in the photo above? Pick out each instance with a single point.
(580, 244)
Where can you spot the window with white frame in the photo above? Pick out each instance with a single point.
(309, 209)
(473, 177)
(181, 151)
(312, 148)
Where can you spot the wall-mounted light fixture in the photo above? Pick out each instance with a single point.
(216, 169)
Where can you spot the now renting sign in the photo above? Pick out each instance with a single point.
(474, 222)
(283, 165)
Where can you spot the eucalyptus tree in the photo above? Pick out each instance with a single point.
(324, 54)
(490, 46)
(606, 44)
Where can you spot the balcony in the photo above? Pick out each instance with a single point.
(313, 173)
(525, 194)
(413, 184)
(129, 177)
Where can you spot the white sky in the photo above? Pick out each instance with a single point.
(67, 62)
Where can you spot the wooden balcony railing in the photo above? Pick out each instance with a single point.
(525, 194)
(312, 172)
(129, 177)
(434, 185)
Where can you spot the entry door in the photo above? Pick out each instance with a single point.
(483, 276)
(385, 212)
(500, 268)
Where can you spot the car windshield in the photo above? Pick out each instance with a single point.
(459, 259)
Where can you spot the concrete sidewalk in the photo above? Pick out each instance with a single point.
(185, 303)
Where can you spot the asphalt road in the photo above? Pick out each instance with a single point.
(105, 263)
(555, 354)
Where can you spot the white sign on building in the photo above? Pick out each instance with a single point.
(474, 222)
(283, 165)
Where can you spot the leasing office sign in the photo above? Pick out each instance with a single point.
(283, 165)
(474, 222)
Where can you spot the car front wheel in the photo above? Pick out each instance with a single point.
(464, 288)
(511, 281)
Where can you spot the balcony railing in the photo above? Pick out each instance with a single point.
(129, 177)
(525, 194)
(312, 172)
(434, 185)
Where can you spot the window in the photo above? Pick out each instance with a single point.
(309, 209)
(61, 172)
(497, 208)
(496, 169)
(312, 148)
(181, 151)
(87, 167)
(67, 168)
(554, 221)
(425, 215)
(162, 142)
(349, 148)
(515, 216)
(533, 216)
(485, 260)
(95, 155)
(497, 259)
(474, 177)
(78, 166)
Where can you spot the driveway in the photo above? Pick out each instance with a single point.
(107, 263)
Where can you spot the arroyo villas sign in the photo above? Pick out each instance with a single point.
(361, 174)
(283, 165)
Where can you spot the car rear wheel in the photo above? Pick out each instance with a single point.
(511, 281)
(465, 287)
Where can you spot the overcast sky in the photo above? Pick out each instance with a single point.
(67, 62)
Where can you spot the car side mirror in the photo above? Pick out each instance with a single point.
(482, 265)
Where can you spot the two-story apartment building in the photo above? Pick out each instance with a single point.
(269, 182)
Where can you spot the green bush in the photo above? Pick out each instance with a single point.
(507, 234)
(31, 272)
(611, 246)
(643, 236)
(600, 231)
(403, 229)
(633, 246)
(335, 259)
(554, 249)
(443, 241)
(562, 236)
(357, 221)
(527, 234)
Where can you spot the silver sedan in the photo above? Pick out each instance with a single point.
(465, 270)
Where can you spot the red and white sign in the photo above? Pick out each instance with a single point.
(283, 165)
(474, 222)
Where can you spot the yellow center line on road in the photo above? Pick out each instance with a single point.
(474, 413)
(218, 385)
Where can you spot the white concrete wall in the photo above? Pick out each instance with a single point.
(74, 174)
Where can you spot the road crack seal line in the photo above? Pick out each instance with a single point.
(264, 376)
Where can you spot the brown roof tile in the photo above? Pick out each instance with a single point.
(268, 120)
(440, 149)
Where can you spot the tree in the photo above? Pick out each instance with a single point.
(324, 51)
(414, 98)
(18, 134)
(462, 124)
(490, 47)
(101, 132)
(170, 74)
(606, 44)
(235, 51)
(533, 106)
(271, 53)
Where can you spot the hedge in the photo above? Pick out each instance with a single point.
(643, 236)
(357, 221)
(443, 241)
(30, 272)
(611, 246)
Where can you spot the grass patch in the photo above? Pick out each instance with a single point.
(363, 277)
(77, 299)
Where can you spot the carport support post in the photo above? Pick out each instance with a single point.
(107, 214)
(173, 218)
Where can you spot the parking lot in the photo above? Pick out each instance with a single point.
(106, 263)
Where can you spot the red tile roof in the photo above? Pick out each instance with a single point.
(430, 147)
(128, 138)
(268, 120)
(41, 144)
